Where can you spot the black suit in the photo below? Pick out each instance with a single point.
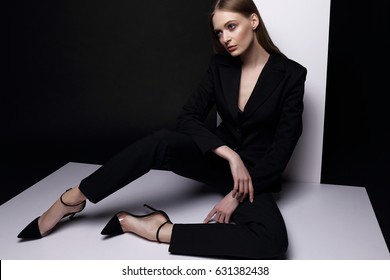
(264, 135)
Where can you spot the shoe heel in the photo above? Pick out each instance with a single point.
(151, 208)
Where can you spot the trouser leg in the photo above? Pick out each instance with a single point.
(167, 150)
(258, 232)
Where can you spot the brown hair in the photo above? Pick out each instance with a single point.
(246, 8)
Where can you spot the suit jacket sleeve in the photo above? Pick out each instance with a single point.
(191, 119)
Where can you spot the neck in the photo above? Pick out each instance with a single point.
(254, 56)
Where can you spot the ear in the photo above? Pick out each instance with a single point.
(254, 21)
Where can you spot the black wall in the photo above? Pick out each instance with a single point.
(357, 120)
(86, 78)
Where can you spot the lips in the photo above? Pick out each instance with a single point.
(232, 48)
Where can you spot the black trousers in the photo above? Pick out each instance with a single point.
(258, 230)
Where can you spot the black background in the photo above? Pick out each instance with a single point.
(85, 78)
(356, 147)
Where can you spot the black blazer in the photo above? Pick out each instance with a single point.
(266, 132)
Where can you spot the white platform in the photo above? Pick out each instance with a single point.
(324, 222)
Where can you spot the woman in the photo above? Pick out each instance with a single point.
(258, 93)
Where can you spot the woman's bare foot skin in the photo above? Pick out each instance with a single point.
(147, 227)
(54, 214)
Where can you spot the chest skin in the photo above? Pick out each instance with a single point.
(248, 81)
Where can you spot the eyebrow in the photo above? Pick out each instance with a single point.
(227, 23)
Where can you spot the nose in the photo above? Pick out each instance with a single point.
(226, 38)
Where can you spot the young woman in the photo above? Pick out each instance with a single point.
(258, 93)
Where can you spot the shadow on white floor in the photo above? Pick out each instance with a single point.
(324, 222)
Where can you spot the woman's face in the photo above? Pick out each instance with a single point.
(234, 31)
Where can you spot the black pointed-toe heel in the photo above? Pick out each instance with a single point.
(31, 231)
(114, 227)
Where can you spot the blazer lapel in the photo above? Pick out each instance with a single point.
(270, 77)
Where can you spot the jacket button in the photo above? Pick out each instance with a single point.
(235, 149)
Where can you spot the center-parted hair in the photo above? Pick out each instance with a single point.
(246, 8)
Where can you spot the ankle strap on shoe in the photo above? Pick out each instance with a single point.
(158, 230)
(66, 204)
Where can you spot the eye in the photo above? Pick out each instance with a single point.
(218, 33)
(232, 26)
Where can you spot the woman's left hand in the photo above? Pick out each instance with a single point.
(223, 210)
(242, 181)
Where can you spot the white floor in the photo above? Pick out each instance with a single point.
(325, 222)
